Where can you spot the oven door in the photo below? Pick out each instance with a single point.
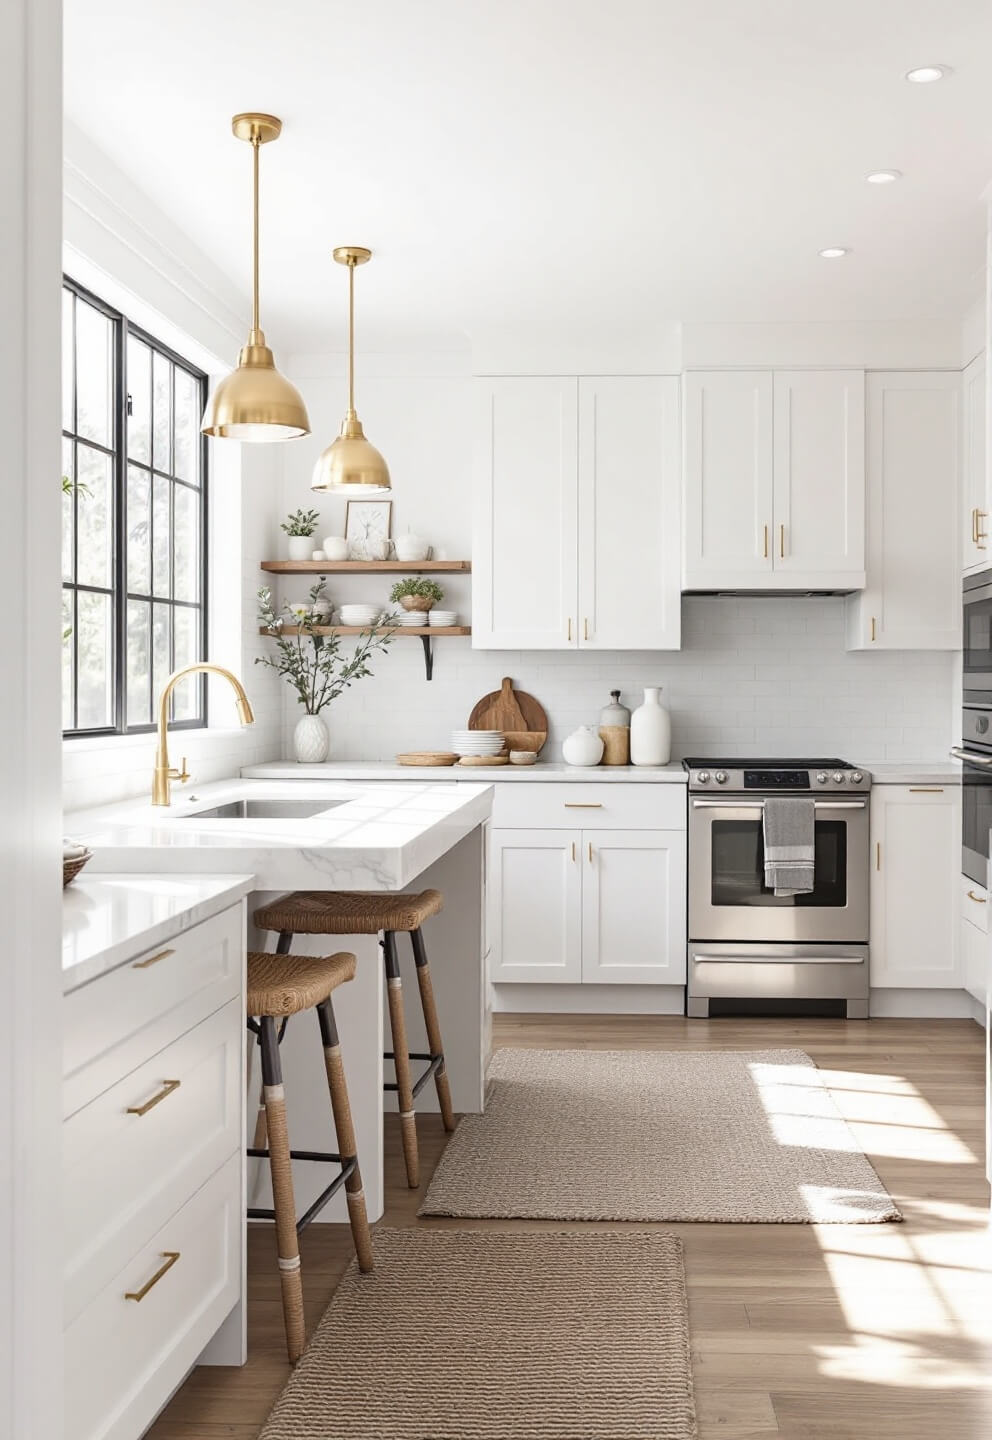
(977, 638)
(728, 898)
(976, 814)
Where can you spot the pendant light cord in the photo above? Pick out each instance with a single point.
(351, 337)
(255, 147)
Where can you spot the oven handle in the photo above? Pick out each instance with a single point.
(970, 758)
(780, 959)
(760, 804)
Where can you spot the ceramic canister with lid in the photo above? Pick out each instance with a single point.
(614, 731)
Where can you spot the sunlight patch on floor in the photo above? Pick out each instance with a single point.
(878, 1360)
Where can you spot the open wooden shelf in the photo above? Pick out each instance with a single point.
(428, 630)
(367, 567)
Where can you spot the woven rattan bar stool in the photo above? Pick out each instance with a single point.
(279, 986)
(348, 912)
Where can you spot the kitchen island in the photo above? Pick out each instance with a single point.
(335, 835)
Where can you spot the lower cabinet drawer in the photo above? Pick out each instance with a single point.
(134, 1154)
(124, 1356)
(115, 1022)
(550, 805)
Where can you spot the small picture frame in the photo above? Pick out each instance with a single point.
(367, 526)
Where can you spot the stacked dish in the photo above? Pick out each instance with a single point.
(409, 617)
(359, 614)
(477, 742)
(443, 617)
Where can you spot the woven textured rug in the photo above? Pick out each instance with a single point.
(476, 1335)
(745, 1136)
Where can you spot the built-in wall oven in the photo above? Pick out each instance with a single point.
(975, 754)
(977, 640)
(750, 949)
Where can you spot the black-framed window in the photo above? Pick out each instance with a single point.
(134, 523)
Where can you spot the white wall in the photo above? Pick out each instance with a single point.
(30, 968)
(123, 248)
(753, 675)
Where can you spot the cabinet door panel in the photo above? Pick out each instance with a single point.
(819, 535)
(629, 507)
(975, 510)
(633, 907)
(727, 486)
(537, 885)
(916, 848)
(524, 557)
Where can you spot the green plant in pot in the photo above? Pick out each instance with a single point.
(417, 593)
(301, 527)
(313, 664)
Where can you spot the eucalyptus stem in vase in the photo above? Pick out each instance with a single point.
(313, 664)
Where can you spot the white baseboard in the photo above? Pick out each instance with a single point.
(925, 1005)
(589, 999)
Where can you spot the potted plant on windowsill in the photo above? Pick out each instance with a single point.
(301, 527)
(313, 665)
(417, 593)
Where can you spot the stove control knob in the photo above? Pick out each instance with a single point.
(856, 777)
(720, 777)
(821, 779)
(703, 776)
(838, 777)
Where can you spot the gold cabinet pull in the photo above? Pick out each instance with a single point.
(781, 542)
(583, 804)
(152, 960)
(766, 542)
(163, 1094)
(974, 526)
(170, 1257)
(573, 852)
(926, 789)
(590, 852)
(878, 854)
(873, 627)
(585, 628)
(569, 629)
(980, 534)
(978, 899)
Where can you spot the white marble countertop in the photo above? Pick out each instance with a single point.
(469, 774)
(915, 772)
(366, 838)
(107, 919)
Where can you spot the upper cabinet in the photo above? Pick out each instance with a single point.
(975, 508)
(913, 594)
(577, 514)
(774, 480)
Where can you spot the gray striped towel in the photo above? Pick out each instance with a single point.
(789, 846)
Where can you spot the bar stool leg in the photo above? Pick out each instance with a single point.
(401, 1052)
(433, 1025)
(284, 1203)
(345, 1131)
(259, 1141)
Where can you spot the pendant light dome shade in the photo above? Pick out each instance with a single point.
(255, 403)
(351, 465)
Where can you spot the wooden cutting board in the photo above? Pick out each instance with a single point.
(520, 717)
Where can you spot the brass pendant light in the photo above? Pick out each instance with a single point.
(255, 403)
(350, 465)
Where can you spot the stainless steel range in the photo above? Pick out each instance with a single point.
(751, 951)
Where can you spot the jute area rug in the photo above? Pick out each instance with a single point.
(746, 1136)
(476, 1335)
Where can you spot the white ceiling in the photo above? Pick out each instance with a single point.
(582, 168)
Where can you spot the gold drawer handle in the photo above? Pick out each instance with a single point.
(926, 789)
(978, 899)
(590, 852)
(766, 542)
(163, 1094)
(152, 960)
(170, 1257)
(781, 542)
(583, 804)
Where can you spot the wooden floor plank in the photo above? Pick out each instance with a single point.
(799, 1332)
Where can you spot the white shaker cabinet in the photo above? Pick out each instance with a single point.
(577, 513)
(915, 881)
(588, 884)
(912, 600)
(974, 524)
(773, 480)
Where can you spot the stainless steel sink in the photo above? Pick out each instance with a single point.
(264, 810)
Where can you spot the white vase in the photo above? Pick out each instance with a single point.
(583, 747)
(651, 731)
(300, 547)
(311, 741)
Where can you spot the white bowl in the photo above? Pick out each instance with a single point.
(357, 614)
(443, 617)
(335, 547)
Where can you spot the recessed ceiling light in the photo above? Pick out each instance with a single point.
(883, 177)
(833, 252)
(927, 74)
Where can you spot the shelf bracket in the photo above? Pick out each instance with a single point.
(428, 656)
